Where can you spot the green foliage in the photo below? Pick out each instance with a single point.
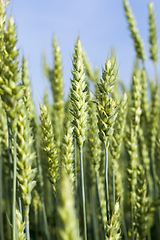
(98, 192)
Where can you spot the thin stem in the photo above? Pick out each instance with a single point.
(75, 163)
(36, 225)
(132, 221)
(10, 162)
(83, 193)
(27, 227)
(76, 181)
(14, 187)
(106, 183)
(58, 220)
(114, 190)
(100, 205)
(10, 148)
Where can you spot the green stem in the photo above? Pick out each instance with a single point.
(58, 219)
(36, 225)
(10, 161)
(106, 184)
(14, 188)
(132, 220)
(114, 190)
(100, 205)
(10, 149)
(75, 163)
(27, 227)
(83, 194)
(76, 180)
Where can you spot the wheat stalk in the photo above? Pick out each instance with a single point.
(107, 113)
(78, 98)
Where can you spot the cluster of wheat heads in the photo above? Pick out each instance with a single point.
(88, 168)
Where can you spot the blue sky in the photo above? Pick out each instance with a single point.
(101, 24)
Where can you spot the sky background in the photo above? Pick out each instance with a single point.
(101, 24)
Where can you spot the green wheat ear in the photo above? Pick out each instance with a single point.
(20, 226)
(141, 204)
(10, 91)
(145, 116)
(67, 154)
(154, 117)
(138, 43)
(131, 144)
(3, 134)
(57, 84)
(114, 229)
(66, 209)
(27, 90)
(26, 173)
(78, 95)
(117, 138)
(3, 6)
(94, 141)
(49, 147)
(116, 143)
(153, 34)
(135, 107)
(106, 106)
(55, 76)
